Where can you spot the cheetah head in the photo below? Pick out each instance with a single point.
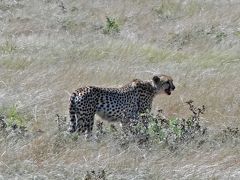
(163, 84)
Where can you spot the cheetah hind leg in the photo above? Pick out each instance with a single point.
(76, 123)
(80, 123)
(72, 112)
(73, 123)
(87, 126)
(84, 123)
(90, 124)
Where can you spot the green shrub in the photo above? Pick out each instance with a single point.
(111, 26)
(220, 36)
(14, 117)
(175, 126)
(172, 131)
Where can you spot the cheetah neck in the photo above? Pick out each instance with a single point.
(154, 87)
(150, 87)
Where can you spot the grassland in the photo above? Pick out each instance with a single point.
(48, 48)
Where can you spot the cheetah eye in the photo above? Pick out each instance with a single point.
(166, 85)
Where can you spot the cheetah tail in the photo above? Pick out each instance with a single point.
(72, 113)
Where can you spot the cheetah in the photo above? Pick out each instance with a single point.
(114, 104)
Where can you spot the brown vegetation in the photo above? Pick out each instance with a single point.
(48, 48)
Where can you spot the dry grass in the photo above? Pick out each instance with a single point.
(48, 48)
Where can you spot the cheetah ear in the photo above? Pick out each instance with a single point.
(156, 79)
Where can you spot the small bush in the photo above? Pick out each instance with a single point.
(13, 124)
(111, 26)
(229, 135)
(13, 117)
(157, 128)
(95, 175)
(220, 36)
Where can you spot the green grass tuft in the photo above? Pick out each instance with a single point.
(111, 26)
(14, 116)
(8, 47)
(15, 63)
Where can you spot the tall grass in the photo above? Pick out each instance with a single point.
(49, 48)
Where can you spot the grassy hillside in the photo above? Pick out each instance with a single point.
(48, 48)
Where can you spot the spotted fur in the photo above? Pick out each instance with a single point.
(114, 104)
